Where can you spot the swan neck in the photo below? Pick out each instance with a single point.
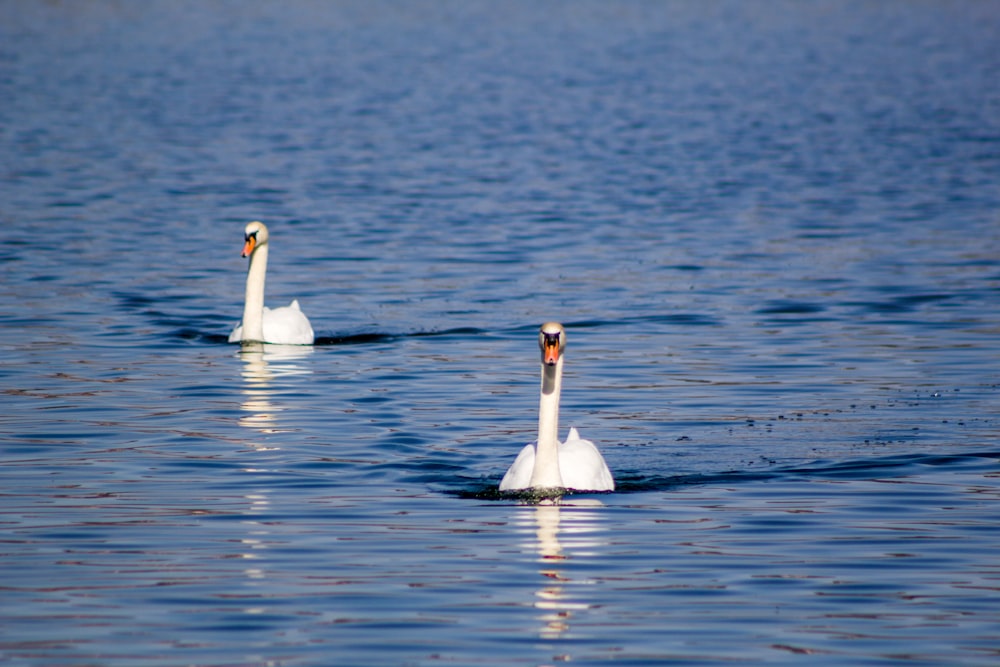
(546, 472)
(253, 305)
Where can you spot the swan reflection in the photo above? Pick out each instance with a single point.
(263, 365)
(563, 532)
(259, 504)
(265, 368)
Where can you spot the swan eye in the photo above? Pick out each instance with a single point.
(550, 340)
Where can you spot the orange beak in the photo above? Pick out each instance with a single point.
(550, 352)
(249, 246)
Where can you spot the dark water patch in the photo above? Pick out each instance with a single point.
(427, 473)
(901, 304)
(130, 302)
(356, 339)
(915, 300)
(458, 331)
(671, 319)
(190, 335)
(375, 400)
(634, 483)
(385, 337)
(409, 440)
(29, 322)
(896, 465)
(791, 308)
(681, 319)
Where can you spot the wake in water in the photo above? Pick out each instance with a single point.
(904, 465)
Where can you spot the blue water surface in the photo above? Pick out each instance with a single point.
(772, 231)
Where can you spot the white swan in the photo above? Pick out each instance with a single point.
(546, 464)
(287, 325)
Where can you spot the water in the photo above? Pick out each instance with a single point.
(771, 229)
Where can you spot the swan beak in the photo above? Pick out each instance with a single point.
(550, 351)
(249, 246)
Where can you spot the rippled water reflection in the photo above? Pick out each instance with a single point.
(771, 231)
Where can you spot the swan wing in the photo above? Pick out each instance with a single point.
(581, 465)
(287, 325)
(518, 476)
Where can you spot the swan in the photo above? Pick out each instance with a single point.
(546, 464)
(287, 325)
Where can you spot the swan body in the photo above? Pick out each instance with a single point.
(547, 463)
(581, 466)
(287, 325)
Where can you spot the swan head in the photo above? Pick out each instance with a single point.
(254, 234)
(551, 341)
